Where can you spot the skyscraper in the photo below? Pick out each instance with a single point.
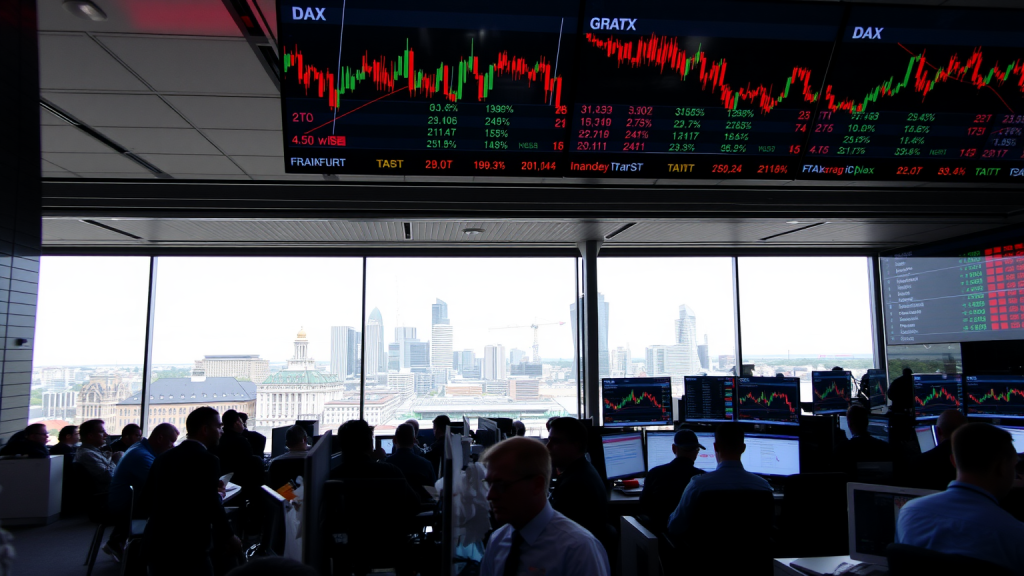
(440, 336)
(494, 362)
(686, 336)
(515, 356)
(404, 335)
(621, 359)
(467, 361)
(703, 355)
(344, 351)
(376, 353)
(604, 358)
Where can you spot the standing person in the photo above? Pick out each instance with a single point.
(664, 485)
(579, 492)
(130, 434)
(533, 538)
(966, 519)
(131, 473)
(98, 463)
(730, 475)
(183, 495)
(901, 393)
(67, 441)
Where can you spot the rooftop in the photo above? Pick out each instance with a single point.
(185, 391)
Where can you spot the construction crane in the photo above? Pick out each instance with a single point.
(536, 337)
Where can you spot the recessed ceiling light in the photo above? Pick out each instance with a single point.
(85, 9)
(794, 222)
(472, 231)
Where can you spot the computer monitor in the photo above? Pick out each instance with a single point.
(936, 393)
(709, 398)
(845, 427)
(768, 400)
(1017, 432)
(659, 450)
(994, 396)
(623, 455)
(873, 510)
(879, 428)
(925, 437)
(487, 432)
(771, 454)
(387, 443)
(637, 401)
(878, 383)
(830, 391)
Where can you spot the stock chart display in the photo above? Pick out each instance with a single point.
(972, 295)
(936, 393)
(697, 89)
(831, 391)
(994, 396)
(922, 94)
(709, 398)
(768, 400)
(405, 87)
(642, 89)
(637, 401)
(878, 385)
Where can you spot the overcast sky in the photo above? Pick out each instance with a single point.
(92, 309)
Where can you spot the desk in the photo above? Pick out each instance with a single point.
(782, 565)
(31, 490)
(620, 504)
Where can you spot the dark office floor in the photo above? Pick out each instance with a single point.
(58, 549)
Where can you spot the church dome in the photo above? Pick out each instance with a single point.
(301, 334)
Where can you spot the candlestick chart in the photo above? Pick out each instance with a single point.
(997, 396)
(935, 393)
(627, 401)
(830, 391)
(768, 400)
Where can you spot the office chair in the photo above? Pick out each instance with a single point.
(813, 521)
(94, 503)
(910, 560)
(730, 532)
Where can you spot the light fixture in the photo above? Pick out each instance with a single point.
(85, 9)
(794, 222)
(472, 231)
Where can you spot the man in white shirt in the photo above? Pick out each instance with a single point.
(297, 442)
(534, 538)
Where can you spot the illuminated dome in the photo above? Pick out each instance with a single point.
(301, 334)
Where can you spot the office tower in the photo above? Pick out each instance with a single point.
(533, 369)
(621, 359)
(394, 357)
(467, 359)
(376, 353)
(702, 354)
(344, 351)
(456, 364)
(473, 370)
(402, 383)
(515, 356)
(494, 362)
(440, 336)
(686, 336)
(417, 356)
(403, 336)
(604, 359)
(439, 312)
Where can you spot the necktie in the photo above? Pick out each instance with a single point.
(512, 562)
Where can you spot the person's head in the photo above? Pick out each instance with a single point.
(908, 372)
(440, 425)
(355, 437)
(519, 427)
(232, 420)
(162, 438)
(947, 423)
(69, 435)
(405, 436)
(93, 433)
(204, 425)
(131, 434)
(837, 368)
(295, 439)
(517, 478)
(567, 441)
(729, 444)
(245, 419)
(37, 433)
(984, 456)
(548, 423)
(415, 425)
(857, 419)
(685, 445)
(273, 566)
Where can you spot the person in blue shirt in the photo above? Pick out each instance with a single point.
(133, 470)
(534, 539)
(730, 475)
(966, 519)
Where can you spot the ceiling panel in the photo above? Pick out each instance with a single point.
(194, 17)
(193, 65)
(229, 112)
(47, 119)
(161, 140)
(709, 232)
(260, 231)
(248, 142)
(95, 163)
(192, 163)
(128, 110)
(262, 165)
(502, 231)
(60, 229)
(76, 62)
(67, 138)
(51, 170)
(187, 176)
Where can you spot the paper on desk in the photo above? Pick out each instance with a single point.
(226, 478)
(231, 490)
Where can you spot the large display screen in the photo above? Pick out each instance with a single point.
(831, 391)
(709, 398)
(637, 401)
(954, 293)
(652, 90)
(936, 393)
(994, 396)
(768, 400)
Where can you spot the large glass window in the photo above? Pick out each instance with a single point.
(276, 338)
(90, 339)
(666, 317)
(798, 315)
(469, 337)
